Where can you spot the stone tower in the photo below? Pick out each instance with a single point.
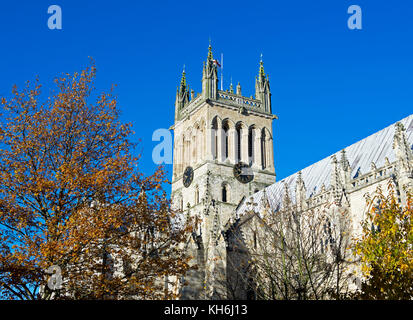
(223, 152)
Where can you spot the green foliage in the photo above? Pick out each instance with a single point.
(386, 248)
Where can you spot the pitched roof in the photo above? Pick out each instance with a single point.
(375, 148)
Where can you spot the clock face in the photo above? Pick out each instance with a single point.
(243, 172)
(188, 176)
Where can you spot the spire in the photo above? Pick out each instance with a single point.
(210, 77)
(183, 81)
(262, 88)
(210, 56)
(261, 72)
(182, 95)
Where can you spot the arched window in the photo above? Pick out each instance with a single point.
(238, 143)
(194, 148)
(183, 148)
(225, 128)
(251, 144)
(224, 193)
(263, 149)
(214, 138)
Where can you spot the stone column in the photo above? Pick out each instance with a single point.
(210, 142)
(270, 148)
(269, 162)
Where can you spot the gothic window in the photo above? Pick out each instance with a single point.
(202, 143)
(251, 145)
(225, 128)
(238, 131)
(224, 193)
(214, 138)
(194, 149)
(263, 149)
(183, 145)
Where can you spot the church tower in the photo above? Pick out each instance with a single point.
(223, 152)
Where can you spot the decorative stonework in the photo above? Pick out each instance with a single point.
(213, 132)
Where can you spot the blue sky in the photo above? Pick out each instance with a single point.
(331, 86)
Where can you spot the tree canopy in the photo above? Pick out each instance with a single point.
(72, 195)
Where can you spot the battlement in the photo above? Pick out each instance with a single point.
(186, 101)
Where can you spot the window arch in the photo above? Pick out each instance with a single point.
(263, 149)
(214, 138)
(225, 128)
(238, 144)
(225, 192)
(251, 144)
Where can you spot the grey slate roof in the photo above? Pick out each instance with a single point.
(375, 148)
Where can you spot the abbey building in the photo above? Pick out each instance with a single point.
(224, 162)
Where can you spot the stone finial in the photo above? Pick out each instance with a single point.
(261, 73)
(335, 176)
(300, 191)
(386, 161)
(239, 89)
(323, 188)
(373, 167)
(299, 185)
(345, 164)
(287, 198)
(400, 144)
(345, 168)
(183, 81)
(265, 200)
(210, 56)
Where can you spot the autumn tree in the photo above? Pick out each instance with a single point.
(72, 198)
(386, 248)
